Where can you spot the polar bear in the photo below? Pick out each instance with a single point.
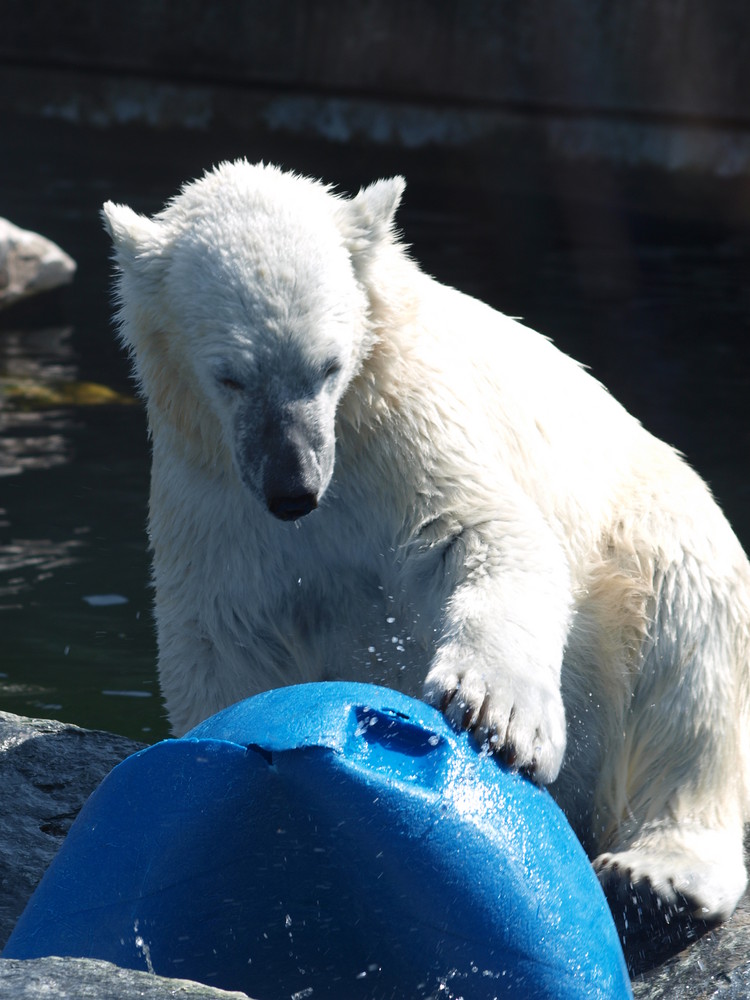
(361, 474)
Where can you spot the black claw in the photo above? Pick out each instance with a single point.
(529, 770)
(446, 700)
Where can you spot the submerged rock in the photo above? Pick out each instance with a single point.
(29, 264)
(28, 394)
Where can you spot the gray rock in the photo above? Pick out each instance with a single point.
(85, 979)
(30, 264)
(47, 771)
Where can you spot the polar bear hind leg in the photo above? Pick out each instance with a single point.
(671, 801)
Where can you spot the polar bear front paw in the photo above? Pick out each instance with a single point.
(521, 720)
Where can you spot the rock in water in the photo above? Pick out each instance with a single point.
(82, 978)
(29, 264)
(47, 771)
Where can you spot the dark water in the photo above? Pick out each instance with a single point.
(658, 307)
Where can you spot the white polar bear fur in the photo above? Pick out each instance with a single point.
(494, 532)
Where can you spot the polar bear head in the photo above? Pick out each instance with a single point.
(244, 306)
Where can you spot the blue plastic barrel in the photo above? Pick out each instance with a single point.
(329, 840)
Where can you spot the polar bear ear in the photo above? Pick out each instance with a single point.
(139, 242)
(366, 220)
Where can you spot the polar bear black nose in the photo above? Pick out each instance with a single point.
(290, 508)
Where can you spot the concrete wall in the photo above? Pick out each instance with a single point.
(657, 84)
(671, 58)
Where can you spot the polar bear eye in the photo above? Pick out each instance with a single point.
(230, 383)
(332, 368)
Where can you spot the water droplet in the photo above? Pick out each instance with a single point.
(104, 600)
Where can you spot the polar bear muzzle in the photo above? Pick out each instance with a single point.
(286, 456)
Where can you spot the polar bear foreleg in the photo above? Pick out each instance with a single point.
(496, 671)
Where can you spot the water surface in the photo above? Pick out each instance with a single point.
(656, 306)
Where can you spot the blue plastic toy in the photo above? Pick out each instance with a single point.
(329, 840)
